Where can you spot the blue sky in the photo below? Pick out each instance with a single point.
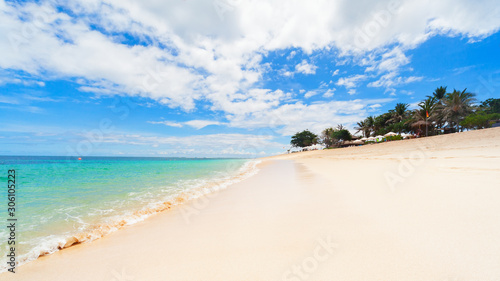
(226, 78)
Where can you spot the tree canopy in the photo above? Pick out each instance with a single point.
(304, 138)
(331, 137)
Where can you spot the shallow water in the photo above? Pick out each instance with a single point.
(62, 200)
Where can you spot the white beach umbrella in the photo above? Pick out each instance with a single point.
(317, 146)
(390, 134)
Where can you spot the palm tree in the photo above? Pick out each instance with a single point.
(399, 113)
(427, 107)
(370, 124)
(457, 105)
(363, 128)
(439, 93)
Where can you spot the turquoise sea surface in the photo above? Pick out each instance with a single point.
(60, 199)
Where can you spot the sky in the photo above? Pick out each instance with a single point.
(226, 78)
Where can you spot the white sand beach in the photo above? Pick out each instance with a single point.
(422, 209)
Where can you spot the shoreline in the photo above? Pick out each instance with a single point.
(102, 229)
(422, 209)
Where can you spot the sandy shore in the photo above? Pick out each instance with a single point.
(424, 209)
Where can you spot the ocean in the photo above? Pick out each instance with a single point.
(64, 200)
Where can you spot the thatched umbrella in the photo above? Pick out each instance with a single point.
(421, 123)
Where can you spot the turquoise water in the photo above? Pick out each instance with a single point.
(60, 197)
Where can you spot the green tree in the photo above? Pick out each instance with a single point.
(479, 120)
(380, 123)
(490, 106)
(342, 135)
(304, 138)
(326, 137)
(399, 113)
(457, 105)
(333, 137)
(400, 127)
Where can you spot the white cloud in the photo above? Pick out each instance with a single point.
(392, 60)
(392, 79)
(310, 94)
(305, 68)
(199, 124)
(290, 118)
(460, 70)
(329, 93)
(352, 81)
(351, 92)
(249, 145)
(167, 123)
(189, 51)
(413, 105)
(291, 55)
(210, 145)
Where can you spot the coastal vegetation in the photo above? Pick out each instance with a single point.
(304, 139)
(333, 137)
(440, 113)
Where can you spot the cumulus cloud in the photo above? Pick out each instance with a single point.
(310, 94)
(290, 118)
(183, 52)
(305, 68)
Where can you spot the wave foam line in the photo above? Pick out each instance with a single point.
(94, 232)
